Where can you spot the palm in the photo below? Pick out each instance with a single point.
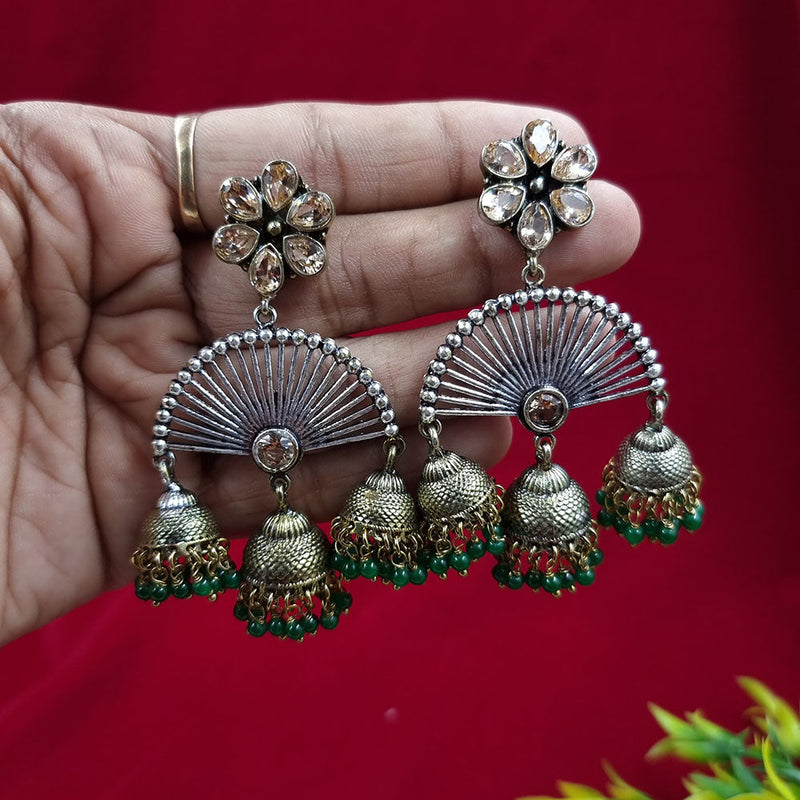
(102, 302)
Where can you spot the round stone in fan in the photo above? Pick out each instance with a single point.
(544, 410)
(276, 450)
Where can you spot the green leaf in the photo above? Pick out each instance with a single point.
(709, 728)
(777, 711)
(620, 789)
(578, 790)
(672, 725)
(719, 787)
(780, 785)
(745, 776)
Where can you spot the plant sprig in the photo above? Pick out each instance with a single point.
(761, 762)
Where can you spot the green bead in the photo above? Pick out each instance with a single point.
(668, 534)
(424, 558)
(633, 535)
(496, 546)
(336, 560)
(342, 600)
(621, 524)
(476, 548)
(585, 577)
(567, 580)
(552, 583)
(144, 591)
(600, 496)
(277, 626)
(216, 584)
(385, 570)
(439, 565)
(500, 573)
(693, 521)
(595, 558)
(294, 630)
(497, 532)
(515, 580)
(202, 587)
(651, 527)
(534, 578)
(369, 569)
(231, 579)
(240, 611)
(329, 621)
(605, 518)
(182, 591)
(160, 592)
(256, 628)
(418, 576)
(401, 577)
(350, 569)
(460, 561)
(309, 622)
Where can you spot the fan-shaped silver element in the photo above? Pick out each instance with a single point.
(271, 378)
(561, 339)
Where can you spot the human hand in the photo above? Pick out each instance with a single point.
(103, 299)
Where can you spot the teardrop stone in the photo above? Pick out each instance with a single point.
(279, 182)
(304, 255)
(233, 243)
(535, 227)
(266, 271)
(501, 202)
(240, 199)
(539, 138)
(574, 164)
(572, 206)
(311, 211)
(504, 159)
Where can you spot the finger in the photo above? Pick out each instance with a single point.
(390, 267)
(366, 157)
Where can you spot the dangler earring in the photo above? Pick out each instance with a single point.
(536, 354)
(272, 394)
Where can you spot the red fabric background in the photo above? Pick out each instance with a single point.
(457, 689)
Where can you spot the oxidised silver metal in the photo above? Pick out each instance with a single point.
(517, 344)
(454, 488)
(653, 459)
(382, 504)
(179, 520)
(545, 507)
(290, 553)
(271, 378)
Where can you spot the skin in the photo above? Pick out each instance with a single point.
(103, 298)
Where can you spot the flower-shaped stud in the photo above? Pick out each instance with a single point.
(274, 221)
(535, 185)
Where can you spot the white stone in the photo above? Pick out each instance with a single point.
(279, 182)
(574, 164)
(240, 199)
(304, 255)
(535, 227)
(539, 138)
(233, 243)
(501, 202)
(504, 159)
(266, 271)
(572, 206)
(311, 211)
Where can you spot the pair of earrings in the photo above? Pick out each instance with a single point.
(275, 394)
